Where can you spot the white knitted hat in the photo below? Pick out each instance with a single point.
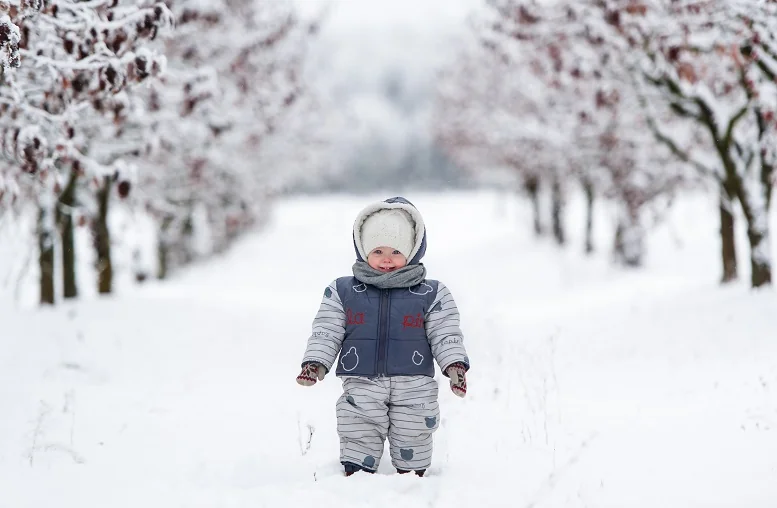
(389, 228)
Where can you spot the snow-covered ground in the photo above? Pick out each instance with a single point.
(590, 386)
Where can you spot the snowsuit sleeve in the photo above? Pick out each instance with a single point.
(328, 330)
(443, 331)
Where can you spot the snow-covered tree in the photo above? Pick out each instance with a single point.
(615, 146)
(545, 95)
(234, 72)
(714, 63)
(489, 114)
(64, 65)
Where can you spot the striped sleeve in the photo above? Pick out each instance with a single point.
(328, 330)
(443, 330)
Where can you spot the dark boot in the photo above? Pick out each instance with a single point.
(418, 472)
(351, 468)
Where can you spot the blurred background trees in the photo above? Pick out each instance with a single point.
(162, 131)
(633, 99)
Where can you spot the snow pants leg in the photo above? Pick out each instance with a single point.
(414, 415)
(362, 421)
(402, 408)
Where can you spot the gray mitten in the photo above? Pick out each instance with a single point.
(457, 373)
(311, 372)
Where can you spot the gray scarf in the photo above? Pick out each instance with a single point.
(406, 277)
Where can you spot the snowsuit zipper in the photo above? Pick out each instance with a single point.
(383, 333)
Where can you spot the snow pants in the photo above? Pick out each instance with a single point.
(402, 408)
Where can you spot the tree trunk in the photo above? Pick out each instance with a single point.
(185, 250)
(102, 239)
(760, 258)
(756, 210)
(163, 249)
(588, 188)
(728, 243)
(557, 211)
(65, 221)
(629, 245)
(46, 235)
(532, 186)
(163, 253)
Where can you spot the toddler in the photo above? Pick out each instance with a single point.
(384, 325)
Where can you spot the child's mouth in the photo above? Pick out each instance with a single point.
(384, 269)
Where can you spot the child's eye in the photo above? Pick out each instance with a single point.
(377, 251)
(396, 252)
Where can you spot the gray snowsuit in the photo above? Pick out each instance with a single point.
(384, 340)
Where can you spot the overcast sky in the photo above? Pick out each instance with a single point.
(363, 47)
(361, 39)
(432, 14)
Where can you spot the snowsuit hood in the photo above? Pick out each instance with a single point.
(398, 202)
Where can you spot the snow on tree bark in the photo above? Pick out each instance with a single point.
(102, 239)
(590, 196)
(727, 235)
(557, 211)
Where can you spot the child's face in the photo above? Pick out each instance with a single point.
(386, 259)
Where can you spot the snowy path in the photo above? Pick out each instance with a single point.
(590, 387)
